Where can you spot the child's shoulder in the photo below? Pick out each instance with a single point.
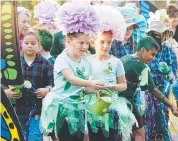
(41, 60)
(85, 60)
(90, 58)
(115, 59)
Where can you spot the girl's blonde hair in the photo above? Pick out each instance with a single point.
(23, 10)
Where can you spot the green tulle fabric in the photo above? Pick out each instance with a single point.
(125, 122)
(79, 113)
(54, 114)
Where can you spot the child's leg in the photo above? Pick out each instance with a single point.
(23, 120)
(139, 132)
(64, 134)
(34, 129)
(99, 135)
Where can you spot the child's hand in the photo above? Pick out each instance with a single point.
(112, 87)
(90, 90)
(41, 92)
(174, 110)
(97, 85)
(14, 95)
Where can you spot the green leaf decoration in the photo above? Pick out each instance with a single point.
(80, 74)
(6, 8)
(11, 63)
(67, 86)
(8, 36)
(6, 25)
(109, 67)
(107, 71)
(9, 56)
(0, 75)
(144, 77)
(7, 30)
(5, 17)
(88, 53)
(10, 74)
(75, 97)
(9, 49)
(8, 43)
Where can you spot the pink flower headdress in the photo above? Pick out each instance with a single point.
(77, 16)
(111, 20)
(45, 11)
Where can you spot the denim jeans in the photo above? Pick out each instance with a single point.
(175, 89)
(32, 130)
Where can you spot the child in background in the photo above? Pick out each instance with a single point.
(24, 17)
(46, 39)
(45, 11)
(138, 75)
(64, 107)
(39, 72)
(127, 45)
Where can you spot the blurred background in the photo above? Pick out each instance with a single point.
(159, 4)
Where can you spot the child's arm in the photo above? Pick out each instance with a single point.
(121, 84)
(41, 92)
(50, 76)
(163, 99)
(68, 74)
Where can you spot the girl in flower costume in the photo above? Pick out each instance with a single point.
(64, 107)
(109, 69)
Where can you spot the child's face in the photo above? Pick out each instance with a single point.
(103, 42)
(80, 44)
(129, 32)
(174, 23)
(149, 55)
(30, 45)
(23, 23)
(51, 28)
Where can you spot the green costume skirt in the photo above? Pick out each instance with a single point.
(55, 111)
(125, 122)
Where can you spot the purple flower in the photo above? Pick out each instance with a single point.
(81, 18)
(45, 11)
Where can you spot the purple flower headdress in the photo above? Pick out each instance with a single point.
(77, 16)
(111, 20)
(45, 11)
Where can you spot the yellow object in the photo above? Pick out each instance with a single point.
(173, 121)
(9, 121)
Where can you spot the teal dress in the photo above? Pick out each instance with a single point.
(65, 101)
(108, 71)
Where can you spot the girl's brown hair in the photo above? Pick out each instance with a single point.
(34, 33)
(172, 11)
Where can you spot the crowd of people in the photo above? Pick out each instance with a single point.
(98, 72)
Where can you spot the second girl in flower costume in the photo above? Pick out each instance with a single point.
(109, 69)
(64, 107)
